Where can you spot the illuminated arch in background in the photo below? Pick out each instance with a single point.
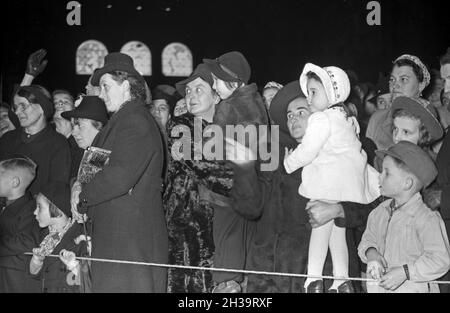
(177, 60)
(90, 55)
(141, 55)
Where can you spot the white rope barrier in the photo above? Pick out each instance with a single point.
(227, 270)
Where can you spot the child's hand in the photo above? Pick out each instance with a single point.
(287, 152)
(37, 259)
(393, 279)
(373, 255)
(375, 270)
(68, 258)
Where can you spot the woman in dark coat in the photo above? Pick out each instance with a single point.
(280, 241)
(36, 139)
(124, 199)
(196, 196)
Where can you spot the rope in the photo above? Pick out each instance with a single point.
(227, 270)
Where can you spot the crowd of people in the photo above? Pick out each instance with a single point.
(360, 186)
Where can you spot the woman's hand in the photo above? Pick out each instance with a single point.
(69, 259)
(321, 213)
(35, 63)
(74, 201)
(238, 153)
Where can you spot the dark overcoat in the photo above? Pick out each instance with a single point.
(19, 233)
(124, 203)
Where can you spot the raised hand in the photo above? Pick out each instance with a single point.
(36, 63)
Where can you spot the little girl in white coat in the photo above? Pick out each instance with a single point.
(335, 166)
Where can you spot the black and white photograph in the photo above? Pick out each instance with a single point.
(245, 148)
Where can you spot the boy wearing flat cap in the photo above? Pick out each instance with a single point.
(405, 244)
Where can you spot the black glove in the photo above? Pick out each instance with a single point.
(35, 65)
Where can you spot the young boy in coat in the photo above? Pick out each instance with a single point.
(57, 275)
(405, 244)
(19, 232)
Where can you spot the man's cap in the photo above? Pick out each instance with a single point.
(416, 159)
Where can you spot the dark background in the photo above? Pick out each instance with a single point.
(277, 37)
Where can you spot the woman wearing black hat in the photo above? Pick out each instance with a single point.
(189, 216)
(280, 242)
(36, 139)
(123, 200)
(87, 119)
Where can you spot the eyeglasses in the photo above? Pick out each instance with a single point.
(21, 106)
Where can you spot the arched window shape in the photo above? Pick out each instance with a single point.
(90, 55)
(177, 60)
(141, 55)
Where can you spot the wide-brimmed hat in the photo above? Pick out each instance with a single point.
(416, 159)
(91, 107)
(201, 71)
(116, 61)
(423, 110)
(280, 103)
(230, 67)
(334, 80)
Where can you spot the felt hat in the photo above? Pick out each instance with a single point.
(116, 61)
(201, 71)
(280, 103)
(59, 194)
(159, 93)
(230, 67)
(334, 80)
(416, 159)
(424, 111)
(91, 107)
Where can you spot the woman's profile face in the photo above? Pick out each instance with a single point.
(112, 92)
(404, 82)
(83, 132)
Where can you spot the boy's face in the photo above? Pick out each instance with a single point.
(406, 129)
(391, 179)
(6, 182)
(317, 97)
(42, 211)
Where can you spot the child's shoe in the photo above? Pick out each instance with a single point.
(315, 287)
(346, 287)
